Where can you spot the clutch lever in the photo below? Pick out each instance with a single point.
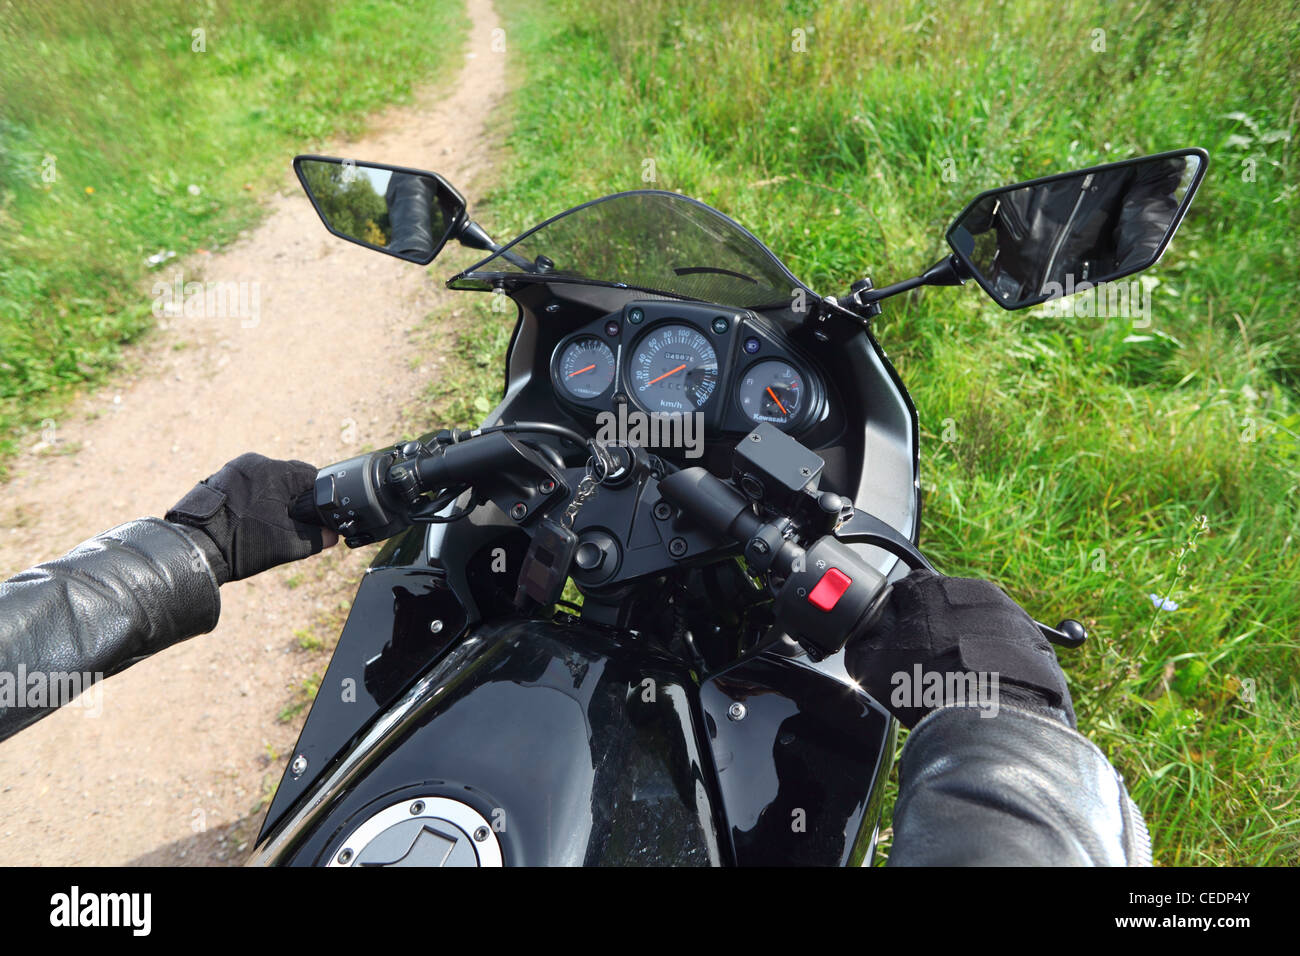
(864, 528)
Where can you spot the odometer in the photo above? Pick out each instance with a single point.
(586, 367)
(674, 370)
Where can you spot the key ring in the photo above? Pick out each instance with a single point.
(586, 489)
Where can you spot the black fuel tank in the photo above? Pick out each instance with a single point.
(576, 744)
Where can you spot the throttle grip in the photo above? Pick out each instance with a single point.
(304, 510)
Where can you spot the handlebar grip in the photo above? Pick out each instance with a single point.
(304, 510)
(464, 462)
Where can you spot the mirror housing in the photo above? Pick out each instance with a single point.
(1038, 240)
(407, 213)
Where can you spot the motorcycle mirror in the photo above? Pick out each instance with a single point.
(1050, 237)
(407, 213)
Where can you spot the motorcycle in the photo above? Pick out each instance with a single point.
(719, 463)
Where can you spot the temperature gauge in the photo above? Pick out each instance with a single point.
(771, 391)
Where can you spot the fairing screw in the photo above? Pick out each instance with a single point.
(417, 808)
(518, 510)
(663, 510)
(481, 834)
(435, 626)
(299, 765)
(677, 547)
(737, 711)
(345, 856)
(546, 487)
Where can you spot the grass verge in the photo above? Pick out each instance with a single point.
(153, 127)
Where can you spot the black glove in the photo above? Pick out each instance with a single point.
(244, 510)
(954, 627)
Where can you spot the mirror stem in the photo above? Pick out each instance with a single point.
(947, 271)
(475, 237)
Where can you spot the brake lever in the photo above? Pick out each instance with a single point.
(864, 528)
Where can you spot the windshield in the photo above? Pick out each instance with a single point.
(649, 240)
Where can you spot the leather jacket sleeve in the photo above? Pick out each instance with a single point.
(1149, 208)
(108, 603)
(1016, 789)
(411, 202)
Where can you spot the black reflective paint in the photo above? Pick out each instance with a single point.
(578, 744)
(799, 774)
(586, 748)
(385, 644)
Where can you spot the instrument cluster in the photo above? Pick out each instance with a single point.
(670, 358)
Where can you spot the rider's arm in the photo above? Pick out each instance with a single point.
(998, 779)
(144, 585)
(1016, 789)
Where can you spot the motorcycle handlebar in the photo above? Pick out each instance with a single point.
(374, 496)
(377, 495)
(828, 590)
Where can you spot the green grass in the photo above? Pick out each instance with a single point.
(1081, 456)
(120, 138)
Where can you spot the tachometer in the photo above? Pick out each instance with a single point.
(771, 391)
(586, 367)
(674, 370)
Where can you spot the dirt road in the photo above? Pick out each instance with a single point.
(188, 742)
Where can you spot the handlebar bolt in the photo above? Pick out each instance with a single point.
(518, 510)
(677, 547)
(737, 711)
(546, 487)
(663, 510)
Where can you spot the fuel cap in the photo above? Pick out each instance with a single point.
(421, 831)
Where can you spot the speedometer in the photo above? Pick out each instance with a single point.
(674, 370)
